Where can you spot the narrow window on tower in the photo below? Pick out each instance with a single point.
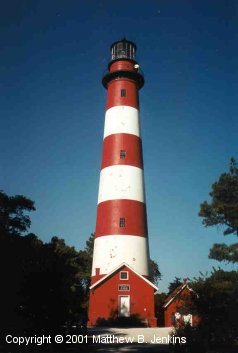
(122, 222)
(122, 154)
(123, 92)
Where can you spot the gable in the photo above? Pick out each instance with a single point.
(183, 289)
(125, 267)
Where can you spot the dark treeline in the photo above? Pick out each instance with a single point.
(44, 286)
(216, 302)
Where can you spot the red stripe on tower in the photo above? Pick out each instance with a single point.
(118, 217)
(122, 92)
(122, 149)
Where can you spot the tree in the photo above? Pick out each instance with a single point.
(155, 274)
(223, 252)
(86, 256)
(223, 210)
(13, 220)
(43, 284)
(89, 245)
(217, 305)
(159, 311)
(174, 284)
(14, 250)
(52, 293)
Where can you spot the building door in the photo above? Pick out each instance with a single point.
(124, 306)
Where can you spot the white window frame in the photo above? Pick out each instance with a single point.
(124, 290)
(124, 279)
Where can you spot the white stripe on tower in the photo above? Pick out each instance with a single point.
(121, 248)
(121, 182)
(122, 119)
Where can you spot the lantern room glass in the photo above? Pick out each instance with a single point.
(123, 50)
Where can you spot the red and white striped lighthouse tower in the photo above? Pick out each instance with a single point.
(120, 270)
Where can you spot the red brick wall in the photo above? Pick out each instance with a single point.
(104, 298)
(174, 307)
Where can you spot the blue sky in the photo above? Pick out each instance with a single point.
(52, 106)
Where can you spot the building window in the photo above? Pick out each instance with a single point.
(122, 222)
(123, 287)
(123, 92)
(124, 275)
(122, 154)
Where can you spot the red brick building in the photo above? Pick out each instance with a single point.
(122, 293)
(174, 307)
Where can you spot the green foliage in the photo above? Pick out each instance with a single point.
(155, 274)
(217, 300)
(223, 252)
(217, 307)
(159, 311)
(86, 256)
(223, 209)
(89, 245)
(174, 284)
(44, 285)
(13, 219)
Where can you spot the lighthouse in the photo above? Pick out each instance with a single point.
(120, 282)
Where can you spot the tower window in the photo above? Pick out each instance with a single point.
(123, 92)
(122, 154)
(122, 222)
(124, 275)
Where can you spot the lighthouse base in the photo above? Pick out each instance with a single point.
(122, 298)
